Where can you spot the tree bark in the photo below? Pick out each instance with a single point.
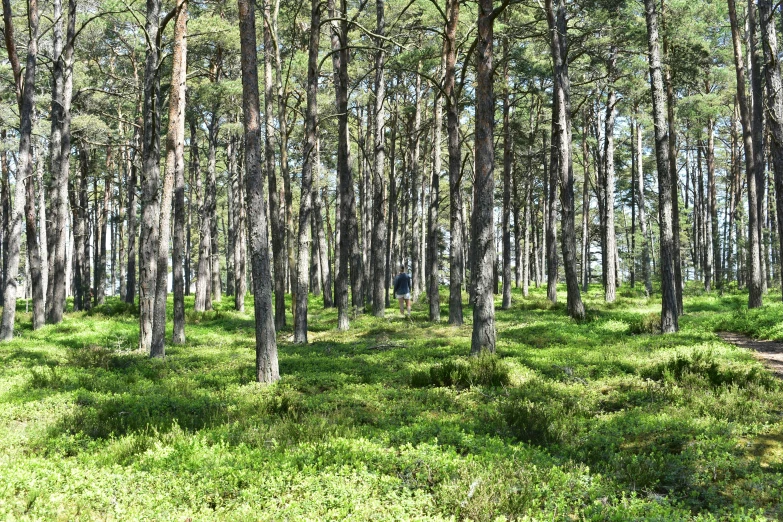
(309, 155)
(456, 248)
(26, 102)
(774, 104)
(175, 165)
(150, 178)
(669, 308)
(507, 160)
(558, 27)
(610, 291)
(275, 212)
(483, 222)
(754, 254)
(267, 369)
(379, 232)
(133, 251)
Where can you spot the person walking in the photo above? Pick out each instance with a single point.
(402, 290)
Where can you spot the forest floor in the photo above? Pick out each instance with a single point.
(596, 420)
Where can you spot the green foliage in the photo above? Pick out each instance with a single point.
(393, 420)
(484, 370)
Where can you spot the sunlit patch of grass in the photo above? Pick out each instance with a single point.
(603, 419)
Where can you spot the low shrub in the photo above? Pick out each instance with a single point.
(645, 324)
(484, 370)
(703, 364)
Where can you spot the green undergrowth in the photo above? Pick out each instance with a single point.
(602, 419)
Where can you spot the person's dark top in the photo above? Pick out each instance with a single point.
(402, 284)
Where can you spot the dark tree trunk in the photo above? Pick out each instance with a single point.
(456, 248)
(275, 212)
(558, 27)
(267, 369)
(309, 155)
(150, 174)
(551, 206)
(483, 227)
(754, 255)
(379, 232)
(585, 209)
(669, 308)
(774, 105)
(133, 251)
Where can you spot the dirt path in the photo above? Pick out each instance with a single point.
(769, 352)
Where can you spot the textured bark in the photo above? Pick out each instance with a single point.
(102, 222)
(203, 297)
(309, 155)
(35, 259)
(130, 292)
(210, 198)
(415, 185)
(267, 369)
(323, 247)
(240, 241)
(81, 235)
(483, 222)
(774, 104)
(507, 160)
(379, 232)
(669, 309)
(175, 155)
(585, 209)
(275, 210)
(556, 15)
(754, 254)
(5, 207)
(550, 214)
(60, 151)
(150, 178)
(759, 136)
(26, 102)
(642, 212)
(610, 290)
(456, 258)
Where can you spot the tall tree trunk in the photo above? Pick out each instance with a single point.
(150, 178)
(318, 196)
(83, 218)
(639, 182)
(673, 174)
(203, 298)
(240, 240)
(558, 27)
(585, 209)
(507, 160)
(133, 250)
(456, 258)
(103, 220)
(275, 212)
(60, 150)
(25, 98)
(175, 165)
(483, 222)
(379, 232)
(309, 155)
(754, 255)
(267, 369)
(608, 178)
(774, 104)
(669, 309)
(210, 196)
(551, 205)
(759, 136)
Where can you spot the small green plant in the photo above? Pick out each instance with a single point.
(645, 324)
(484, 370)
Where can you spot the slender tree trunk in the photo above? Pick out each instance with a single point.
(267, 369)
(240, 241)
(642, 210)
(483, 229)
(323, 247)
(175, 165)
(551, 205)
(130, 292)
(379, 231)
(669, 309)
(150, 151)
(60, 150)
(84, 262)
(609, 181)
(507, 161)
(558, 27)
(759, 136)
(309, 155)
(754, 255)
(203, 299)
(275, 211)
(585, 209)
(774, 104)
(456, 258)
(25, 98)
(673, 174)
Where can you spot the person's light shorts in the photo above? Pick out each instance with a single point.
(403, 296)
